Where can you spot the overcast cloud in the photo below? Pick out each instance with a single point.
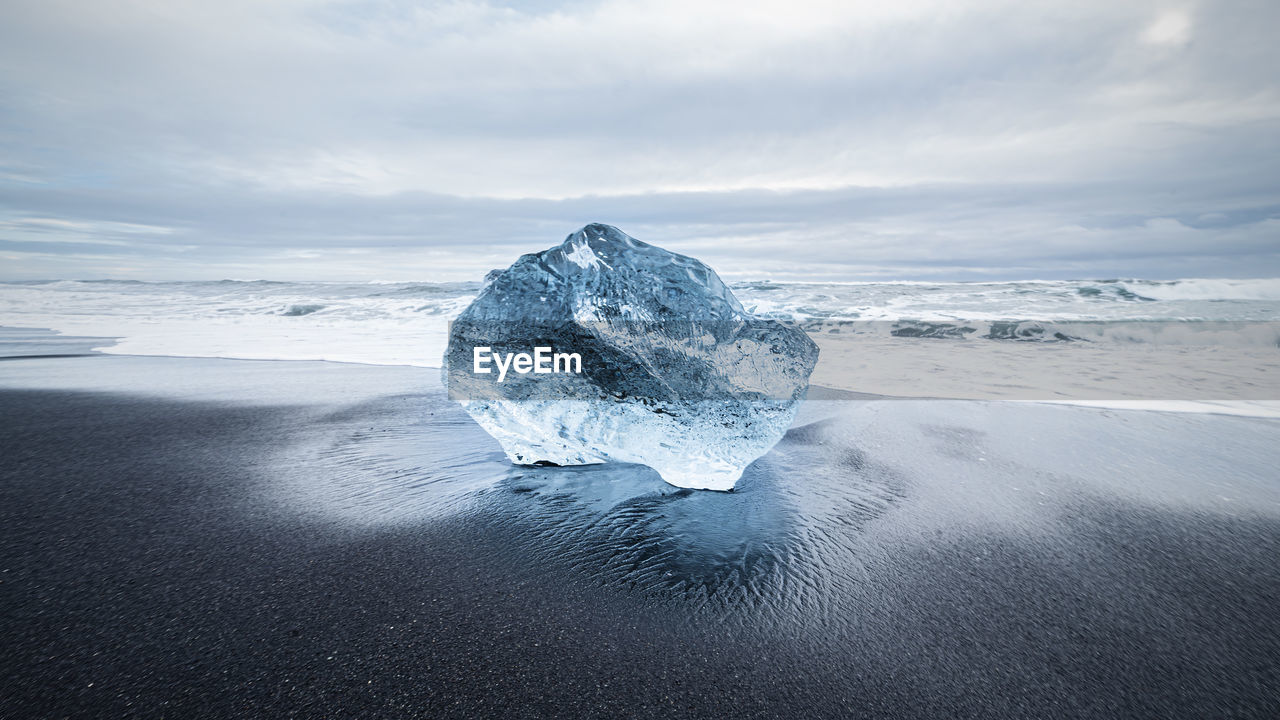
(793, 140)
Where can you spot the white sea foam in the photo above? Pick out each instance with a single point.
(395, 324)
(1243, 408)
(405, 323)
(1208, 289)
(1132, 340)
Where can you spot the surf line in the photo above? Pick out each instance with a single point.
(543, 361)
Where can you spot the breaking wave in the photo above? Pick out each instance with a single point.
(406, 323)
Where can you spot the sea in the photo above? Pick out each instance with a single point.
(406, 323)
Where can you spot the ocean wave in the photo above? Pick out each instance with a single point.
(1171, 332)
(300, 310)
(404, 322)
(1205, 289)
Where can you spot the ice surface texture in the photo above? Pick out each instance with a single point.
(675, 374)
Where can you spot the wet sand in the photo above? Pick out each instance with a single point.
(221, 538)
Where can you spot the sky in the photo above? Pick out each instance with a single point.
(912, 140)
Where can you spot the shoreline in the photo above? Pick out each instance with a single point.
(844, 375)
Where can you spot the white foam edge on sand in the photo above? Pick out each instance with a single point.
(1242, 408)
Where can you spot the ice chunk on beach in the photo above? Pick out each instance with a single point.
(673, 373)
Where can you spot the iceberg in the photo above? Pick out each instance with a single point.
(608, 349)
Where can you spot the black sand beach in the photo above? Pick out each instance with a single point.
(283, 539)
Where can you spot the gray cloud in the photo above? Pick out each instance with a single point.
(834, 140)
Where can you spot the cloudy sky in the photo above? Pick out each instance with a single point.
(792, 140)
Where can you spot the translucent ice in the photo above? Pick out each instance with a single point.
(674, 373)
